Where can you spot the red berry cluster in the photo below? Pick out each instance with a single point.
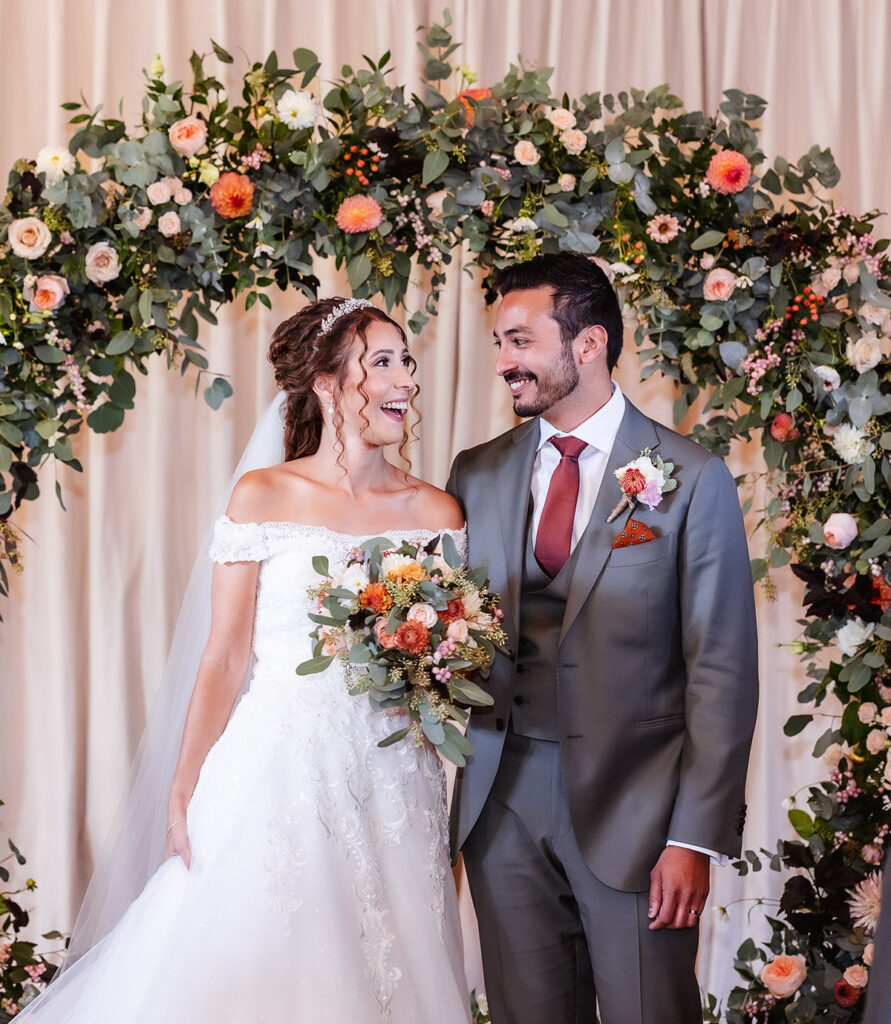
(359, 155)
(805, 307)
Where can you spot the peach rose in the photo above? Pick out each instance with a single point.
(566, 182)
(457, 631)
(143, 218)
(830, 277)
(868, 953)
(188, 136)
(29, 237)
(182, 196)
(102, 263)
(385, 639)
(782, 977)
(169, 224)
(719, 285)
(856, 976)
(839, 530)
(561, 118)
(526, 154)
(423, 613)
(574, 141)
(158, 192)
(47, 293)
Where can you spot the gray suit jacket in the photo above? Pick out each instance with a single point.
(657, 682)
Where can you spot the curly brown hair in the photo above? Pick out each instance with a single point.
(299, 353)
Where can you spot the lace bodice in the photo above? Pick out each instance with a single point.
(286, 551)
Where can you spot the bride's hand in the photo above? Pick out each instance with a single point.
(178, 843)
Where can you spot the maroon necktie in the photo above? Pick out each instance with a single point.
(554, 540)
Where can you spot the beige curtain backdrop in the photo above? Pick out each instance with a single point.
(87, 628)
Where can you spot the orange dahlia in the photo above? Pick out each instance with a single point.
(233, 195)
(728, 172)
(412, 637)
(358, 213)
(470, 108)
(376, 597)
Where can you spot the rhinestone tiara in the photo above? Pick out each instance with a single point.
(350, 306)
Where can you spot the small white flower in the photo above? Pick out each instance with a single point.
(297, 109)
(852, 635)
(522, 225)
(703, 188)
(263, 250)
(55, 162)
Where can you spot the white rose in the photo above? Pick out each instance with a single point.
(423, 613)
(566, 182)
(143, 217)
(457, 631)
(54, 162)
(867, 711)
(831, 277)
(833, 754)
(158, 192)
(526, 154)
(851, 443)
(875, 741)
(839, 530)
(102, 263)
(864, 353)
(851, 273)
(707, 261)
(574, 141)
(29, 237)
(297, 109)
(851, 636)
(448, 573)
(561, 118)
(168, 224)
(182, 196)
(875, 315)
(885, 717)
(829, 377)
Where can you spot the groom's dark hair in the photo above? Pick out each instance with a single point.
(582, 295)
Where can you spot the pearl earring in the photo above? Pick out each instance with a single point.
(330, 410)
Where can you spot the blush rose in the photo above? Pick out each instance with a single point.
(839, 530)
(782, 976)
(29, 237)
(719, 285)
(47, 293)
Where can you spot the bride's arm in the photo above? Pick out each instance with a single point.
(223, 667)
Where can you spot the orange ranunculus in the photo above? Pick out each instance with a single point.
(412, 637)
(453, 611)
(470, 108)
(357, 214)
(376, 597)
(728, 172)
(233, 195)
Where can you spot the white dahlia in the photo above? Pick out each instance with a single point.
(297, 109)
(55, 162)
(851, 443)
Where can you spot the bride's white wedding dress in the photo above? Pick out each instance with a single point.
(320, 889)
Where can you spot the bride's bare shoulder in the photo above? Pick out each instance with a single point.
(436, 508)
(266, 494)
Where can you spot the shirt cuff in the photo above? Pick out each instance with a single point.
(717, 858)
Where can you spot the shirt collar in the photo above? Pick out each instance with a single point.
(598, 430)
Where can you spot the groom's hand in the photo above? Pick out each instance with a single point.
(679, 884)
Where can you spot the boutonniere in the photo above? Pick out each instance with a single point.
(646, 480)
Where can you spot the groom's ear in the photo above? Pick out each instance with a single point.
(591, 343)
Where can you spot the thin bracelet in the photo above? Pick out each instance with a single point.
(179, 821)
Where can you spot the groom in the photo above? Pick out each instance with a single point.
(612, 766)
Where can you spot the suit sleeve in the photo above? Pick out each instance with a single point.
(720, 647)
(453, 485)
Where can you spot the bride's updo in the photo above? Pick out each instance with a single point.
(299, 352)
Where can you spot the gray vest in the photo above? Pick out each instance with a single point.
(542, 607)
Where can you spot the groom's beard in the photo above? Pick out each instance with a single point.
(547, 388)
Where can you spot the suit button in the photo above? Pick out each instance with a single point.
(519, 700)
(499, 724)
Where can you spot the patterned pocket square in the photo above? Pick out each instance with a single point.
(634, 532)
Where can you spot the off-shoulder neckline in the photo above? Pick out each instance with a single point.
(413, 531)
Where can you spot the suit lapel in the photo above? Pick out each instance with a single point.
(636, 433)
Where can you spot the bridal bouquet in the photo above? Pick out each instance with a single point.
(415, 628)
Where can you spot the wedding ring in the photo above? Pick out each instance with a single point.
(692, 911)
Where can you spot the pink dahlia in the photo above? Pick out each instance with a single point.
(663, 227)
(728, 172)
(865, 903)
(358, 213)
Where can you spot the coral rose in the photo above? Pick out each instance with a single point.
(358, 213)
(728, 172)
(470, 108)
(233, 195)
(47, 293)
(845, 994)
(188, 136)
(839, 530)
(169, 224)
(376, 597)
(385, 639)
(719, 285)
(782, 977)
(412, 637)
(783, 428)
(526, 154)
(29, 237)
(102, 263)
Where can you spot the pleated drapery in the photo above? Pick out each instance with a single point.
(86, 631)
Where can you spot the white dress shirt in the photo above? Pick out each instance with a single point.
(599, 433)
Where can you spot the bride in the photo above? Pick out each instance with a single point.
(307, 875)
